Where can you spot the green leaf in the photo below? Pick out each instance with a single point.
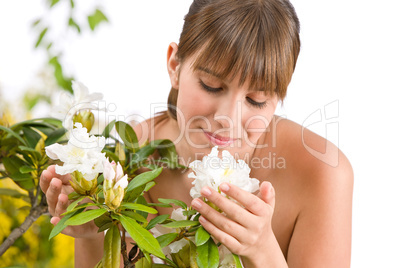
(35, 154)
(190, 212)
(141, 200)
(144, 239)
(208, 255)
(139, 207)
(73, 24)
(53, 2)
(35, 22)
(143, 263)
(156, 220)
(237, 261)
(55, 136)
(41, 35)
(111, 248)
(127, 134)
(130, 196)
(180, 224)
(108, 129)
(173, 201)
(201, 236)
(166, 239)
(134, 216)
(12, 133)
(74, 204)
(26, 169)
(111, 155)
(12, 165)
(143, 178)
(32, 137)
(13, 193)
(167, 151)
(95, 19)
(85, 205)
(60, 225)
(62, 81)
(149, 185)
(159, 205)
(86, 216)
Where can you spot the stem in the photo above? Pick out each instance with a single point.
(127, 262)
(34, 214)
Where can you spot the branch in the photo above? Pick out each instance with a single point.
(34, 214)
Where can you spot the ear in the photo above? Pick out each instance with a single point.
(173, 65)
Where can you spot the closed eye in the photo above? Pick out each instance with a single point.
(210, 89)
(260, 105)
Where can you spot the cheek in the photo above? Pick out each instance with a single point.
(256, 124)
(193, 103)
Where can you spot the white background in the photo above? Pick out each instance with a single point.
(350, 61)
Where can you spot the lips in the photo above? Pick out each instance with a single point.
(219, 140)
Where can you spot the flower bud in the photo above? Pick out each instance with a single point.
(86, 118)
(114, 184)
(81, 185)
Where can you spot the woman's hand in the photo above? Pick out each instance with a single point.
(57, 188)
(245, 231)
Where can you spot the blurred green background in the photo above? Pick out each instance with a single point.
(33, 248)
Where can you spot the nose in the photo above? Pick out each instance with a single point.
(229, 116)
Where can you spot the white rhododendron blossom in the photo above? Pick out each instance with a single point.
(82, 153)
(159, 230)
(72, 104)
(212, 171)
(114, 184)
(114, 174)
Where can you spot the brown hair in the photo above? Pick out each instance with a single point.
(258, 39)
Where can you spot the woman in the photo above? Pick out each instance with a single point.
(230, 69)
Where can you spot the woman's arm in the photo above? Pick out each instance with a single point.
(322, 233)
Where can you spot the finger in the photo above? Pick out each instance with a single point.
(61, 205)
(250, 201)
(64, 178)
(227, 240)
(267, 193)
(55, 220)
(231, 209)
(52, 194)
(219, 220)
(44, 181)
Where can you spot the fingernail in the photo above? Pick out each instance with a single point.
(201, 219)
(224, 187)
(52, 221)
(196, 203)
(206, 191)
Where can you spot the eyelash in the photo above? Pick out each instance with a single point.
(259, 105)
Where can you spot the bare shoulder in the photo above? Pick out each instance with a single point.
(308, 154)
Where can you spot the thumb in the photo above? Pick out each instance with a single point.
(267, 193)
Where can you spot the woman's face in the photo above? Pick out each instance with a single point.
(213, 111)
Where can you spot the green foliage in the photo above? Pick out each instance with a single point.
(96, 18)
(201, 236)
(142, 237)
(208, 255)
(46, 41)
(112, 247)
